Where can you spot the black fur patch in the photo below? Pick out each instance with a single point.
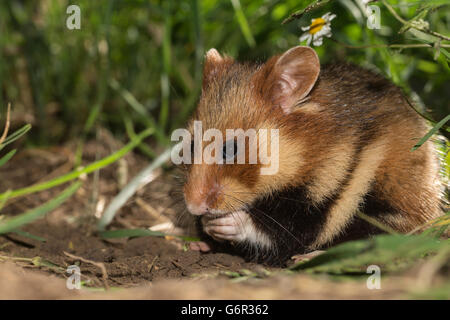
(291, 222)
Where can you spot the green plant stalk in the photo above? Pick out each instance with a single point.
(25, 218)
(395, 45)
(375, 223)
(132, 134)
(404, 22)
(29, 235)
(166, 55)
(3, 201)
(6, 157)
(198, 39)
(243, 24)
(78, 172)
(15, 135)
(140, 109)
(131, 233)
(125, 233)
(191, 101)
(299, 13)
(431, 132)
(387, 250)
(101, 88)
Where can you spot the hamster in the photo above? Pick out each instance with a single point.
(344, 141)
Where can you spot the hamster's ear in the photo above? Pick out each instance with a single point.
(214, 64)
(292, 77)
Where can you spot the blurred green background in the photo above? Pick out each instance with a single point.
(138, 64)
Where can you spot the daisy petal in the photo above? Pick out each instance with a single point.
(318, 42)
(304, 36)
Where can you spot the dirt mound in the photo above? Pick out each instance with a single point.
(135, 268)
(70, 229)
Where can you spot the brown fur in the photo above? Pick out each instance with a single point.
(347, 143)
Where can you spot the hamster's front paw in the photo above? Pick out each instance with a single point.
(232, 227)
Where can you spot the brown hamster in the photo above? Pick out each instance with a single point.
(345, 136)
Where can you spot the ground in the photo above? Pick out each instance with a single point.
(145, 267)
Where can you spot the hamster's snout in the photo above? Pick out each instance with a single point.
(199, 209)
(201, 201)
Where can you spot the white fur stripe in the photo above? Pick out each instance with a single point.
(344, 209)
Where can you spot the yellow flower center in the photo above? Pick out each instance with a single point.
(316, 25)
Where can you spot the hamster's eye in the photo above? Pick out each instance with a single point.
(229, 150)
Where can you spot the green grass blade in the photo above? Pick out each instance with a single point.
(132, 134)
(125, 233)
(243, 24)
(131, 100)
(132, 233)
(29, 235)
(78, 172)
(446, 53)
(140, 109)
(431, 132)
(3, 201)
(6, 157)
(15, 135)
(166, 55)
(16, 222)
(375, 223)
(391, 252)
(198, 40)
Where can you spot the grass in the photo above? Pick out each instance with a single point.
(133, 233)
(79, 171)
(390, 252)
(431, 132)
(11, 224)
(20, 220)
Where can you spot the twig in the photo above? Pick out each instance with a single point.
(100, 265)
(403, 21)
(176, 264)
(299, 13)
(150, 267)
(5, 131)
(148, 209)
(402, 46)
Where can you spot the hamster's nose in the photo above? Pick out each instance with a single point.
(199, 209)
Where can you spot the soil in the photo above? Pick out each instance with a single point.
(71, 227)
(149, 267)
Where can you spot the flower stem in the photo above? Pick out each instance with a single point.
(403, 21)
(402, 46)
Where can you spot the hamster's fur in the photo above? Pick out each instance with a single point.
(345, 135)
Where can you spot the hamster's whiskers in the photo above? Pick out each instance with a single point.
(265, 214)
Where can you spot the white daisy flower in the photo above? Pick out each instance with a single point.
(319, 28)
